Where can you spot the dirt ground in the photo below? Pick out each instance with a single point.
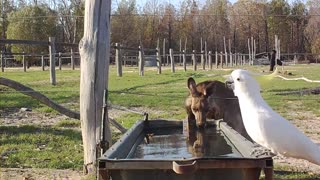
(310, 125)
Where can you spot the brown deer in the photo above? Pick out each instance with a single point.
(213, 100)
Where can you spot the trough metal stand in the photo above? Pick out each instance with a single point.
(268, 172)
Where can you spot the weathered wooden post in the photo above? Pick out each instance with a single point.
(221, 59)
(94, 50)
(210, 60)
(24, 63)
(141, 62)
(180, 49)
(172, 60)
(158, 57)
(225, 51)
(164, 51)
(216, 58)
(42, 62)
(206, 53)
(203, 64)
(184, 60)
(249, 48)
(52, 52)
(72, 58)
(231, 58)
(194, 60)
(2, 61)
(118, 60)
(60, 60)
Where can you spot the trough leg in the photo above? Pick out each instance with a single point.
(268, 173)
(252, 173)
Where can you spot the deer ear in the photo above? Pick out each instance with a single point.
(192, 86)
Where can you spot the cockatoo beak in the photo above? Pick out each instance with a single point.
(229, 83)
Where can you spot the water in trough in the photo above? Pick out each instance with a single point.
(177, 144)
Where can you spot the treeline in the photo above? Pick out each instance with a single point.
(183, 25)
(297, 25)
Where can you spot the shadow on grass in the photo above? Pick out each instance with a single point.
(292, 175)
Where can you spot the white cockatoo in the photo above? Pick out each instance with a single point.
(265, 126)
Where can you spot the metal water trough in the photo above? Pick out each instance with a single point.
(136, 156)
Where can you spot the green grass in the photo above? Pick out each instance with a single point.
(59, 146)
(40, 147)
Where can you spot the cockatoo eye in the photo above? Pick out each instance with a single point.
(238, 79)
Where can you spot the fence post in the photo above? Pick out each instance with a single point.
(249, 49)
(230, 56)
(164, 51)
(221, 59)
(206, 58)
(225, 51)
(184, 60)
(217, 60)
(210, 60)
(158, 57)
(42, 62)
(118, 60)
(24, 63)
(141, 62)
(60, 61)
(203, 64)
(72, 58)
(194, 61)
(172, 60)
(52, 52)
(180, 49)
(2, 61)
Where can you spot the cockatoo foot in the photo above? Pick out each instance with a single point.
(261, 152)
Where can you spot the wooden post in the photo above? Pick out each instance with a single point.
(210, 60)
(249, 50)
(2, 61)
(201, 44)
(60, 60)
(184, 60)
(118, 60)
(194, 61)
(42, 62)
(231, 59)
(221, 59)
(225, 52)
(72, 58)
(94, 49)
(141, 62)
(164, 51)
(203, 64)
(206, 53)
(254, 49)
(172, 60)
(216, 60)
(180, 49)
(52, 52)
(24, 63)
(158, 57)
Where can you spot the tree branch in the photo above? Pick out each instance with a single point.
(45, 100)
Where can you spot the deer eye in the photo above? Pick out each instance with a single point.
(238, 79)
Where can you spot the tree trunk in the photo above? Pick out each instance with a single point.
(94, 50)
